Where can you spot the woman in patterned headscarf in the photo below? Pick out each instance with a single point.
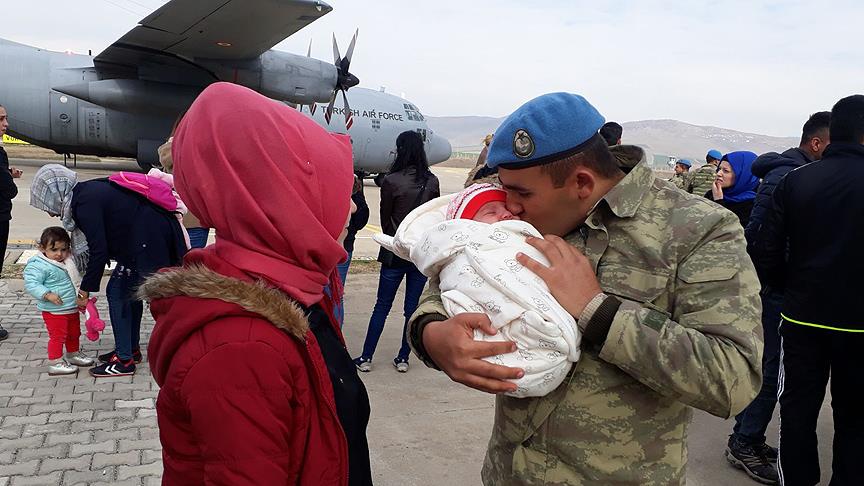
(108, 222)
(51, 192)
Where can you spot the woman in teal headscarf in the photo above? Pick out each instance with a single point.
(735, 185)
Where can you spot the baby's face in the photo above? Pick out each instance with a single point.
(493, 212)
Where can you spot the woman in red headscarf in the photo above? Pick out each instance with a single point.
(256, 384)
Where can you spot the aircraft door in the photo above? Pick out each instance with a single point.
(64, 119)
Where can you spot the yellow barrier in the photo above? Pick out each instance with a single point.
(13, 140)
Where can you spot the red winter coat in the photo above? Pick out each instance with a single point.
(245, 396)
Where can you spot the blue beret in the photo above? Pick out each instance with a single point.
(545, 129)
(715, 154)
(685, 163)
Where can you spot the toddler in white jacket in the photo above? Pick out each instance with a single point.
(470, 241)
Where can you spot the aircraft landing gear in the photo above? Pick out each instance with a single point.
(73, 158)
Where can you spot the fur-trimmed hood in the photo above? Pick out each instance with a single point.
(200, 282)
(245, 395)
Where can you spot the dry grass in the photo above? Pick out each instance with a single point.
(12, 271)
(458, 163)
(364, 267)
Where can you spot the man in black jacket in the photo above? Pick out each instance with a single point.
(8, 191)
(746, 448)
(810, 247)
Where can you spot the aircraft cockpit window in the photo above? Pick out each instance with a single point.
(413, 113)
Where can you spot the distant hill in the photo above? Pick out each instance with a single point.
(663, 137)
(465, 133)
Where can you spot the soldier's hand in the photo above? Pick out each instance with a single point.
(16, 172)
(452, 347)
(569, 276)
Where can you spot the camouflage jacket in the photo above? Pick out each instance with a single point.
(701, 180)
(681, 181)
(687, 335)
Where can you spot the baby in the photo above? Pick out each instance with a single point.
(52, 279)
(470, 241)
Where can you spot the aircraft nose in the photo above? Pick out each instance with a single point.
(439, 149)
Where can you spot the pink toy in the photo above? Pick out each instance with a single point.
(92, 322)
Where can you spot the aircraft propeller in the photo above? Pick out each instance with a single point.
(344, 81)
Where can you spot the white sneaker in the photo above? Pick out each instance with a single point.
(401, 366)
(78, 359)
(60, 367)
(363, 364)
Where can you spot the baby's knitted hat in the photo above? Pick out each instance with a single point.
(466, 204)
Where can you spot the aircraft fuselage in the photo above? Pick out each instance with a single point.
(58, 101)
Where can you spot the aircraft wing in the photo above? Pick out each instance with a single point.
(211, 29)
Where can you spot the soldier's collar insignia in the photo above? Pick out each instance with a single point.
(523, 144)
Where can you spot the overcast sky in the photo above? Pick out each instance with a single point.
(753, 66)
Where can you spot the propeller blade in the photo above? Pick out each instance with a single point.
(329, 113)
(336, 57)
(309, 51)
(351, 46)
(349, 115)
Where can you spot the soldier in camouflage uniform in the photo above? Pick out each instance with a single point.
(676, 324)
(681, 178)
(703, 177)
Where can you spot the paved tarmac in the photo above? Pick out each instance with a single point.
(424, 429)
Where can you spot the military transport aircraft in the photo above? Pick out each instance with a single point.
(124, 101)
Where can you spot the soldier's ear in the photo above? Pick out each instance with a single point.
(581, 183)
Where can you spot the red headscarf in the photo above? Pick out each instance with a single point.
(274, 185)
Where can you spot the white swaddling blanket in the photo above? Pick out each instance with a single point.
(478, 272)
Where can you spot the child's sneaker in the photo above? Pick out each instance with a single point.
(115, 367)
(363, 364)
(136, 356)
(59, 366)
(78, 359)
(401, 365)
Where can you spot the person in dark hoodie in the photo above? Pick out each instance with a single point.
(746, 448)
(771, 167)
(8, 191)
(358, 221)
(256, 385)
(735, 185)
(810, 248)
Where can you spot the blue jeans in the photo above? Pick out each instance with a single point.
(388, 283)
(342, 268)
(125, 310)
(198, 237)
(751, 423)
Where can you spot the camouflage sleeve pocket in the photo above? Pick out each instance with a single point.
(692, 274)
(631, 283)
